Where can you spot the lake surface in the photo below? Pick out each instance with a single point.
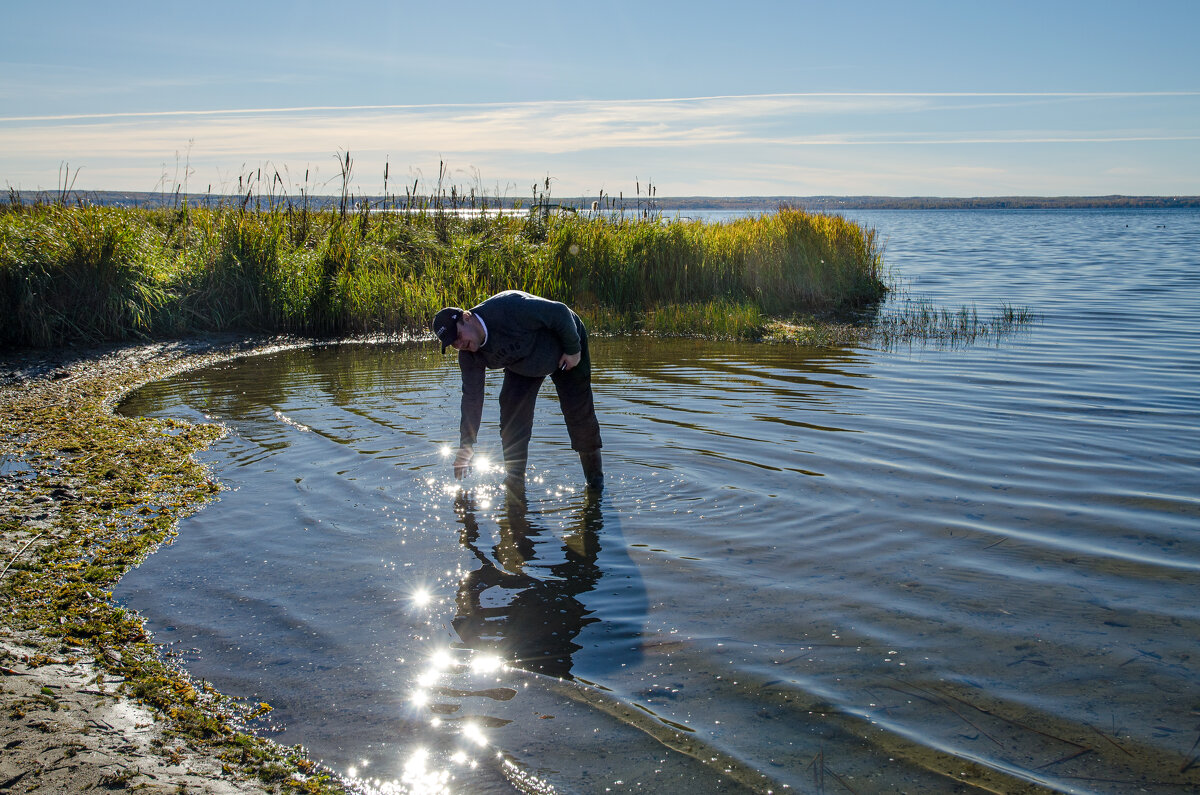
(915, 569)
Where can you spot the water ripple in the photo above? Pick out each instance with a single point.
(897, 570)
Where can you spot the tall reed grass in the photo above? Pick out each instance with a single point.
(91, 273)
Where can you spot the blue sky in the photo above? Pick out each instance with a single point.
(700, 98)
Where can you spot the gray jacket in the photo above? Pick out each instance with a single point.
(525, 334)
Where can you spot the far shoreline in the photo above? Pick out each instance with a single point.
(636, 204)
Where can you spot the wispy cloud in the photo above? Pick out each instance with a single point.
(756, 132)
(817, 101)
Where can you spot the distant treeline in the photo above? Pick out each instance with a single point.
(995, 202)
(631, 204)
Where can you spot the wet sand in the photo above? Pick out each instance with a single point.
(85, 736)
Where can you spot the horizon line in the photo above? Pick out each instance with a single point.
(659, 199)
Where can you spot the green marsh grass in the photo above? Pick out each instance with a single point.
(913, 320)
(90, 273)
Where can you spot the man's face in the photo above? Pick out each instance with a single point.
(470, 336)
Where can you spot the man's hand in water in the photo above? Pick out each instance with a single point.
(462, 461)
(569, 360)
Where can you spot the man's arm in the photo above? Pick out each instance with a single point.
(558, 318)
(535, 313)
(561, 320)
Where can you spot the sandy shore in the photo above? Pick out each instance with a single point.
(65, 728)
(69, 718)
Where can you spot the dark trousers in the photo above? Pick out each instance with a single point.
(518, 396)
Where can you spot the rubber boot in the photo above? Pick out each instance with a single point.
(514, 481)
(593, 470)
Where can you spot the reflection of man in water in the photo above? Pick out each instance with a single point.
(530, 338)
(531, 620)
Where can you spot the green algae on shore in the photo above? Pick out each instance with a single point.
(88, 494)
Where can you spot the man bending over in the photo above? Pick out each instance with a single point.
(529, 338)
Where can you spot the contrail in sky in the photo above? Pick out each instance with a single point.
(602, 102)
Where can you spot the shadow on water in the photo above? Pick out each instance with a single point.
(526, 601)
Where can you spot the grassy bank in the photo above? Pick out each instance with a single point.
(90, 273)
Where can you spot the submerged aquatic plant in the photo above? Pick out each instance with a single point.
(920, 320)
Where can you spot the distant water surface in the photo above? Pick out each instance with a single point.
(916, 569)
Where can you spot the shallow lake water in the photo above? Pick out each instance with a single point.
(866, 570)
